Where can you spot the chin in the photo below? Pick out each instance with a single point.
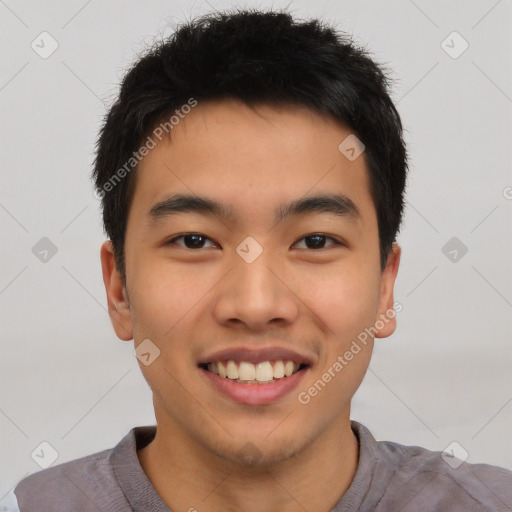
(250, 454)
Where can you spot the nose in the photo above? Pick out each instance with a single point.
(256, 294)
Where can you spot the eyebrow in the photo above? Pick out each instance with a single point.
(336, 204)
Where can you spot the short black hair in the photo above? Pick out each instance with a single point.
(259, 58)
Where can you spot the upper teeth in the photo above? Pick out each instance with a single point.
(261, 372)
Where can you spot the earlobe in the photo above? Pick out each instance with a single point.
(385, 323)
(117, 296)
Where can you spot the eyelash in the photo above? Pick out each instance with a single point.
(172, 240)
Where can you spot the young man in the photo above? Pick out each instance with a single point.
(252, 175)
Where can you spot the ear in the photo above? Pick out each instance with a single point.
(117, 296)
(386, 316)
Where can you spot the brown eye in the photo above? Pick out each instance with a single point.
(191, 241)
(317, 241)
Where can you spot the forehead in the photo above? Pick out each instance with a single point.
(251, 158)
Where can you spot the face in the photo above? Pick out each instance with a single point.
(261, 271)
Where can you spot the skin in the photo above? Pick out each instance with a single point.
(192, 302)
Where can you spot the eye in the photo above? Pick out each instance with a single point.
(190, 241)
(197, 241)
(317, 241)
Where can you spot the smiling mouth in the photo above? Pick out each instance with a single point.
(244, 372)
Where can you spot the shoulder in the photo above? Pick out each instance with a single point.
(88, 483)
(437, 480)
(410, 461)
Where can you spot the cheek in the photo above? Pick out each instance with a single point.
(164, 297)
(164, 304)
(344, 300)
(345, 303)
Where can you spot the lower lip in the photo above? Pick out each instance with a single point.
(255, 394)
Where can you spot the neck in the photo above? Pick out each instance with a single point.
(188, 476)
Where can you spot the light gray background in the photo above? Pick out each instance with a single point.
(443, 376)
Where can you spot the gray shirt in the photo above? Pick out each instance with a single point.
(389, 477)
